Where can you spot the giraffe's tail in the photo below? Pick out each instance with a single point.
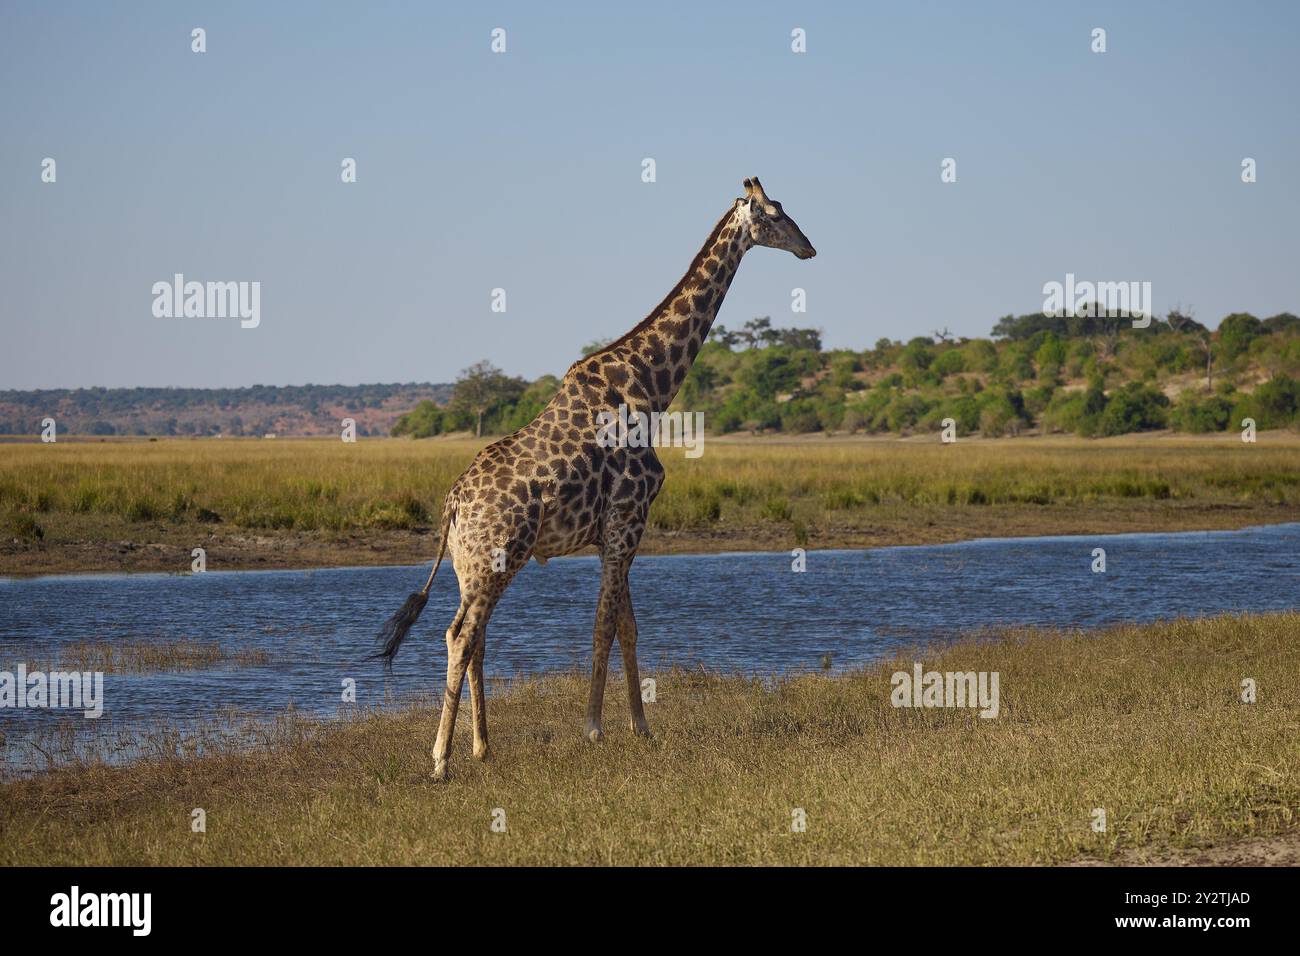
(399, 625)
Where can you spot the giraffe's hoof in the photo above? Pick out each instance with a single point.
(439, 774)
(595, 735)
(641, 730)
(481, 752)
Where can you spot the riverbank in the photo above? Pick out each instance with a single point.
(1145, 723)
(145, 506)
(165, 549)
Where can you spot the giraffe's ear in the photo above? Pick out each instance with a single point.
(749, 187)
(756, 190)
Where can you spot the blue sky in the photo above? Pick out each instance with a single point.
(523, 171)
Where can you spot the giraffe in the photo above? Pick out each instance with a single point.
(557, 486)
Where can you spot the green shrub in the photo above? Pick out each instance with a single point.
(855, 419)
(964, 410)
(1002, 412)
(1275, 403)
(1037, 399)
(800, 417)
(949, 362)
(980, 355)
(1133, 408)
(998, 419)
(1198, 415)
(904, 411)
(1064, 413)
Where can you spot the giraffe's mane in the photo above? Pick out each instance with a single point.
(676, 290)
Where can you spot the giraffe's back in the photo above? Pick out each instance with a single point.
(554, 470)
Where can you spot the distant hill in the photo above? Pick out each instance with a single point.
(1087, 375)
(259, 410)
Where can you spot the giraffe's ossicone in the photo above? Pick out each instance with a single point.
(558, 485)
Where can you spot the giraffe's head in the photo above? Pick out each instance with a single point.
(770, 226)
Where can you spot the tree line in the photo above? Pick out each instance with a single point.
(1085, 375)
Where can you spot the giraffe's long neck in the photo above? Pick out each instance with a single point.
(656, 355)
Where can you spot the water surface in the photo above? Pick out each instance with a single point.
(747, 612)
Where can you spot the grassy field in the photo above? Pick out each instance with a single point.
(1145, 722)
(144, 505)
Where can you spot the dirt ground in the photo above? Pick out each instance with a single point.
(1282, 849)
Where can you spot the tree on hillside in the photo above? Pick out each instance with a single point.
(1024, 326)
(1236, 332)
(1282, 322)
(483, 387)
(724, 336)
(810, 339)
(1182, 321)
(758, 333)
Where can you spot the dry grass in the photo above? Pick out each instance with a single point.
(138, 505)
(1144, 721)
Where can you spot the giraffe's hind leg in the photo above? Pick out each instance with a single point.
(627, 644)
(486, 559)
(477, 700)
(459, 646)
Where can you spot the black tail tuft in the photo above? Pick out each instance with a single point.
(399, 625)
